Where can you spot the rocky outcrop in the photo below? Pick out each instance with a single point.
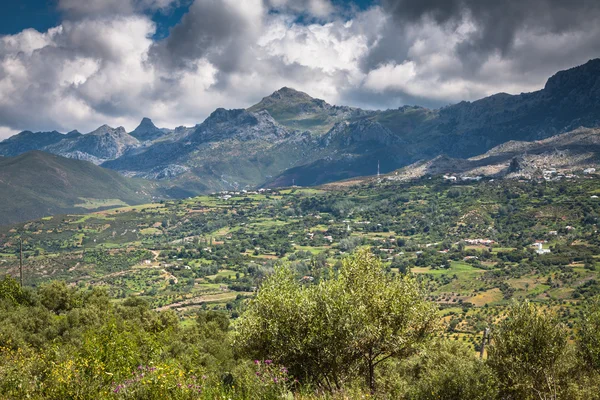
(105, 143)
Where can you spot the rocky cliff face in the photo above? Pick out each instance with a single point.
(568, 152)
(105, 143)
(238, 124)
(569, 100)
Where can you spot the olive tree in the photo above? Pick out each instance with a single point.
(449, 370)
(528, 352)
(340, 327)
(589, 335)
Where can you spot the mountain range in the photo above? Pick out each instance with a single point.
(290, 136)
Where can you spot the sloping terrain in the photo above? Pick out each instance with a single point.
(565, 153)
(37, 184)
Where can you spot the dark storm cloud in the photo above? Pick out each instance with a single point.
(213, 29)
(473, 48)
(499, 22)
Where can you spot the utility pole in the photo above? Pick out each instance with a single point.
(21, 260)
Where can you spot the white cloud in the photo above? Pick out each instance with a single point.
(6, 132)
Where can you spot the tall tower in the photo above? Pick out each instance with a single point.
(378, 169)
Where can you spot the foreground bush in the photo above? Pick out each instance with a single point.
(529, 353)
(333, 340)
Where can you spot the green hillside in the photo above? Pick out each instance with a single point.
(37, 184)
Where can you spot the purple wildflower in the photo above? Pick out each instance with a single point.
(268, 362)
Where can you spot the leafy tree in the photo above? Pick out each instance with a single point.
(58, 297)
(340, 327)
(12, 291)
(448, 370)
(589, 335)
(527, 353)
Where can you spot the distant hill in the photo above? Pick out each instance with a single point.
(37, 184)
(290, 136)
(27, 141)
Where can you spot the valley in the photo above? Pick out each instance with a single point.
(300, 200)
(474, 245)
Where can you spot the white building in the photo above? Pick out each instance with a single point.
(539, 249)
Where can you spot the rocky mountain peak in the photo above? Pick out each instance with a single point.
(292, 99)
(73, 133)
(146, 124)
(582, 78)
(290, 93)
(146, 130)
(102, 130)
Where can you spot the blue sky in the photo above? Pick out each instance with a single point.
(23, 14)
(44, 14)
(91, 62)
(41, 15)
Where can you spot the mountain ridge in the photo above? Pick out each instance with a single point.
(291, 136)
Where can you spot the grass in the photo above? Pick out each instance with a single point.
(224, 273)
(150, 231)
(488, 297)
(456, 267)
(93, 204)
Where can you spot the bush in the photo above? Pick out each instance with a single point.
(529, 353)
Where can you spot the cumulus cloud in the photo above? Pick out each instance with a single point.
(499, 23)
(102, 65)
(441, 51)
(219, 30)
